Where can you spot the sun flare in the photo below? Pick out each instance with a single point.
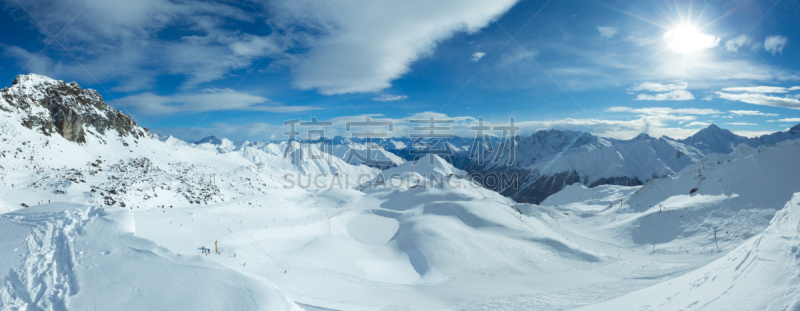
(687, 39)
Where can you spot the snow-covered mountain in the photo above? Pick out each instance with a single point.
(777, 137)
(353, 151)
(52, 106)
(716, 140)
(713, 139)
(548, 161)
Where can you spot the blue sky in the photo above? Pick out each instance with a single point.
(239, 69)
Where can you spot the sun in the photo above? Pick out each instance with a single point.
(687, 39)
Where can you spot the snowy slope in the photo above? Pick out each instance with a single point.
(761, 274)
(74, 257)
(600, 195)
(376, 247)
(739, 193)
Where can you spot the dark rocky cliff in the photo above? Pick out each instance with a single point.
(53, 106)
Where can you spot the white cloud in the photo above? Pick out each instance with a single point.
(775, 44)
(389, 98)
(741, 123)
(665, 110)
(787, 120)
(658, 87)
(619, 109)
(759, 89)
(733, 45)
(752, 134)
(607, 32)
(353, 52)
(673, 95)
(122, 42)
(674, 91)
(697, 123)
(715, 71)
(205, 100)
(752, 113)
(653, 125)
(762, 99)
(476, 56)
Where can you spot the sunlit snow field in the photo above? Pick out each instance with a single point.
(608, 247)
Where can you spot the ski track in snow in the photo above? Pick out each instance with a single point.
(45, 278)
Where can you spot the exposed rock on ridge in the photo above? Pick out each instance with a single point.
(53, 106)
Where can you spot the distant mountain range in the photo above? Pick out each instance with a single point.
(547, 161)
(541, 164)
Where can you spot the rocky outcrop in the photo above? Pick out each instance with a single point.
(53, 106)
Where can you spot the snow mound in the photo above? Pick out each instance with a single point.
(69, 256)
(418, 236)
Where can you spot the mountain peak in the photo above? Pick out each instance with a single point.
(53, 106)
(714, 139)
(209, 139)
(714, 129)
(33, 79)
(795, 129)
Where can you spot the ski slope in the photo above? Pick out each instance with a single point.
(761, 274)
(77, 257)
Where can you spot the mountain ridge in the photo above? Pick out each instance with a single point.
(54, 106)
(544, 162)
